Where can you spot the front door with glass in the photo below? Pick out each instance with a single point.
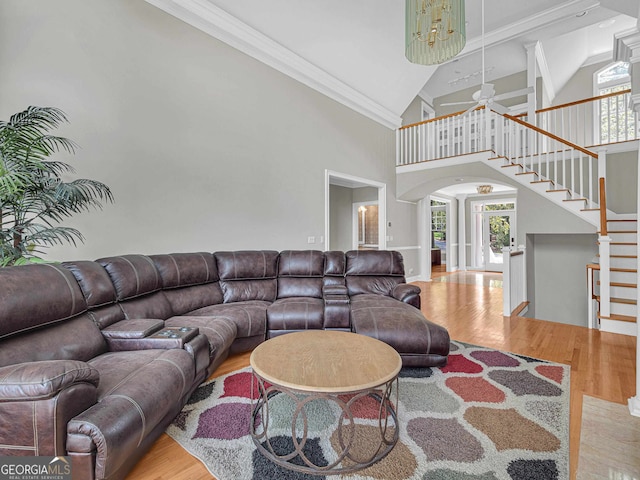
(498, 233)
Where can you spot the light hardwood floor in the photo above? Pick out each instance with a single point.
(602, 364)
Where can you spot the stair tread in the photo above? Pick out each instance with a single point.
(620, 318)
(620, 256)
(626, 301)
(576, 200)
(527, 173)
(596, 266)
(512, 165)
(621, 243)
(621, 220)
(542, 181)
(589, 209)
(557, 190)
(620, 284)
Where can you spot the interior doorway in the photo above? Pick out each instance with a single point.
(366, 234)
(493, 228)
(345, 193)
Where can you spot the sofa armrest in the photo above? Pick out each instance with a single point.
(136, 328)
(407, 293)
(166, 338)
(44, 379)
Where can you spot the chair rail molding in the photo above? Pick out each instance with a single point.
(214, 21)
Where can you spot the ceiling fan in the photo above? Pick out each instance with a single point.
(486, 96)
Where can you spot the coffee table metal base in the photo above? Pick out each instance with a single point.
(347, 460)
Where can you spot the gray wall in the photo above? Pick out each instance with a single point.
(622, 182)
(204, 147)
(557, 274)
(341, 218)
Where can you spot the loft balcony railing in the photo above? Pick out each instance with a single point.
(591, 122)
(551, 157)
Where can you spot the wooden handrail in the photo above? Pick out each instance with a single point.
(437, 118)
(577, 102)
(551, 135)
(603, 209)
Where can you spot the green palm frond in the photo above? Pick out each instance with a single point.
(34, 199)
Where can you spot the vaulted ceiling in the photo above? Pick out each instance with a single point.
(353, 51)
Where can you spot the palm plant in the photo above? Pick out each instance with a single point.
(34, 199)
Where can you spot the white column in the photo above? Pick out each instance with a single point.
(424, 237)
(531, 82)
(462, 233)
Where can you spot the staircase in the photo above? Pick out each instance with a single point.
(566, 174)
(564, 197)
(623, 277)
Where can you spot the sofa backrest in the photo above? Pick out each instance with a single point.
(334, 268)
(248, 275)
(138, 286)
(373, 271)
(189, 280)
(43, 316)
(98, 292)
(300, 273)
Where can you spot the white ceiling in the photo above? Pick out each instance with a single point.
(353, 51)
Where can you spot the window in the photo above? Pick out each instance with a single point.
(438, 225)
(614, 121)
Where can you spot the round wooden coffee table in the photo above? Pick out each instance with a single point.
(321, 365)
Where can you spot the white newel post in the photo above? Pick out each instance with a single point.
(507, 284)
(627, 48)
(605, 276)
(602, 163)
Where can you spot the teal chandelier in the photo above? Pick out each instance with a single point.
(435, 30)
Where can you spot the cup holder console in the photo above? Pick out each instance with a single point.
(180, 334)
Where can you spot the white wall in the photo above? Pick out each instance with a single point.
(204, 147)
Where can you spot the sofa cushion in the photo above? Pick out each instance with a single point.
(94, 282)
(247, 264)
(137, 391)
(154, 305)
(74, 339)
(33, 296)
(296, 313)
(185, 269)
(220, 331)
(373, 271)
(300, 273)
(250, 317)
(301, 263)
(132, 275)
(419, 342)
(187, 299)
(374, 262)
(248, 275)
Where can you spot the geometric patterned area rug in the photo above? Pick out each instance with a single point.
(486, 415)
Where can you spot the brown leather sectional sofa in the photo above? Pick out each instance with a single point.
(97, 358)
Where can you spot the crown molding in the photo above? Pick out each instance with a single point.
(214, 21)
(626, 44)
(532, 23)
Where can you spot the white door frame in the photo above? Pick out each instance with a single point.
(343, 179)
(476, 242)
(488, 265)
